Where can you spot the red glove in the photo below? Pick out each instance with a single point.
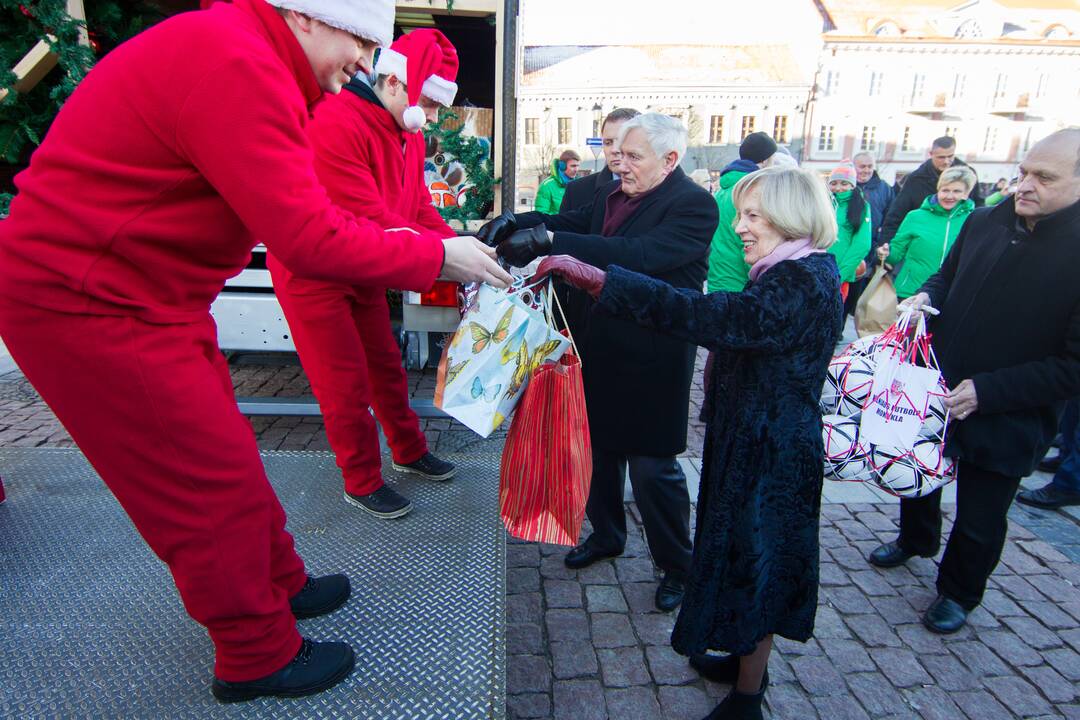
(581, 275)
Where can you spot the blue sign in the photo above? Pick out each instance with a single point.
(594, 142)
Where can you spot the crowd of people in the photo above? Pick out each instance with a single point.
(139, 204)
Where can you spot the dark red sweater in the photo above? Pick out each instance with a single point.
(183, 148)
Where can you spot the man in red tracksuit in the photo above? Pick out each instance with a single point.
(180, 150)
(369, 153)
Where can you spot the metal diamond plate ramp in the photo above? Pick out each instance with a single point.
(92, 627)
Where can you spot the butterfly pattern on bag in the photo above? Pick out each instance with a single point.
(482, 337)
(527, 364)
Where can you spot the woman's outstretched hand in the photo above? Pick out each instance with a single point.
(581, 275)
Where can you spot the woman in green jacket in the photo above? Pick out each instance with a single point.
(852, 223)
(928, 232)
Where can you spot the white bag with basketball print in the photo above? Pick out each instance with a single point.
(503, 336)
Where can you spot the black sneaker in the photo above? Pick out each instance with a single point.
(320, 595)
(316, 667)
(385, 503)
(430, 467)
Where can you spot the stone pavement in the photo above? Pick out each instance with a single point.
(589, 644)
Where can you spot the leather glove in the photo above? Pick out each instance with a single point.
(581, 275)
(495, 231)
(524, 246)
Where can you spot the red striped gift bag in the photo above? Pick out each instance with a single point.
(547, 460)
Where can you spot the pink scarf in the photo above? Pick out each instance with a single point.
(788, 250)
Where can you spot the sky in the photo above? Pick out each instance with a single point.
(674, 22)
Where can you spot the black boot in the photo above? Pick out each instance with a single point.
(722, 669)
(738, 706)
(320, 596)
(316, 667)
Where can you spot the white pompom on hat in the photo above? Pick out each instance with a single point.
(369, 19)
(428, 63)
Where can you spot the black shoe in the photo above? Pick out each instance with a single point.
(429, 467)
(583, 556)
(1050, 464)
(738, 706)
(320, 596)
(316, 667)
(722, 669)
(944, 616)
(890, 555)
(1049, 496)
(384, 503)
(669, 593)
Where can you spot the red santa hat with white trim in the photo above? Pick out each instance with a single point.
(369, 19)
(428, 63)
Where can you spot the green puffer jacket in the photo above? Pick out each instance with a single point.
(851, 246)
(923, 240)
(550, 193)
(728, 271)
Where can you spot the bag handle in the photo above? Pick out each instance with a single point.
(553, 296)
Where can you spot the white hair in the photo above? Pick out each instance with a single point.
(792, 200)
(664, 133)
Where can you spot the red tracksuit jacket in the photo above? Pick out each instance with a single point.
(150, 217)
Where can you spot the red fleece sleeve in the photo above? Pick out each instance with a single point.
(242, 126)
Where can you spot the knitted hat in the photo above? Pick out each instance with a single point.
(844, 172)
(428, 64)
(757, 147)
(368, 19)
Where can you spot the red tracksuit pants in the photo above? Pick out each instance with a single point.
(152, 408)
(353, 363)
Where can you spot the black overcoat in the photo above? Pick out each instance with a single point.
(1010, 322)
(755, 567)
(637, 380)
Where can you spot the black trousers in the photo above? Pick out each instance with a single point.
(659, 487)
(978, 535)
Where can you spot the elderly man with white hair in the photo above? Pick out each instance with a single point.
(657, 221)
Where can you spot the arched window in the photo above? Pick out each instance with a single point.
(1056, 32)
(886, 28)
(969, 29)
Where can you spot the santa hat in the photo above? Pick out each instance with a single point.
(428, 63)
(367, 19)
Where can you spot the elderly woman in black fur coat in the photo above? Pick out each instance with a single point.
(755, 565)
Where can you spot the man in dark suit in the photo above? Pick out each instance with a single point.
(581, 190)
(1008, 340)
(657, 221)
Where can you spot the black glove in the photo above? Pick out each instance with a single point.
(524, 246)
(495, 231)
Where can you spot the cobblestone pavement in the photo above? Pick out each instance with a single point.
(589, 644)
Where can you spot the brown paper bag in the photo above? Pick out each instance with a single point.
(876, 310)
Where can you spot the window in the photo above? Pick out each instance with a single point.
(832, 82)
(779, 129)
(825, 137)
(969, 29)
(1027, 141)
(565, 137)
(877, 79)
(990, 141)
(748, 122)
(1040, 88)
(716, 129)
(532, 131)
(950, 131)
(905, 144)
(918, 87)
(869, 138)
(959, 81)
(596, 127)
(1002, 86)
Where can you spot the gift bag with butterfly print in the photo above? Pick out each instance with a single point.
(503, 336)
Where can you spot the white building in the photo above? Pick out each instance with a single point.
(894, 75)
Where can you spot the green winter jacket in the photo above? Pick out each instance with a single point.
(728, 271)
(923, 240)
(851, 246)
(550, 193)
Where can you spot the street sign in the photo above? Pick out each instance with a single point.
(594, 142)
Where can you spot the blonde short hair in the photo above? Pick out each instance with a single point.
(957, 173)
(794, 201)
